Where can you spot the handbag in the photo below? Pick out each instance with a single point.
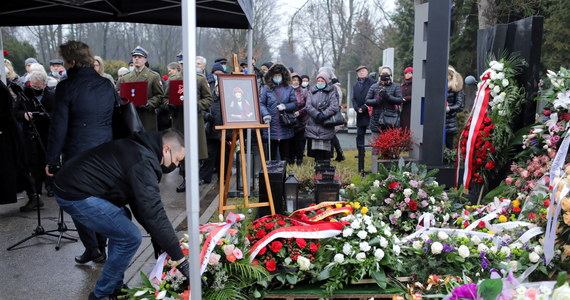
(287, 119)
(334, 120)
(390, 118)
(126, 120)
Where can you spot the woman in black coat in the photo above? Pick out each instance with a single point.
(385, 97)
(10, 148)
(455, 100)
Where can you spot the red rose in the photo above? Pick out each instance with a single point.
(281, 223)
(516, 209)
(490, 165)
(466, 224)
(261, 233)
(275, 246)
(546, 203)
(481, 224)
(546, 113)
(268, 226)
(271, 265)
(256, 226)
(249, 237)
(301, 243)
(479, 161)
(262, 251)
(394, 185)
(412, 205)
(313, 247)
(487, 120)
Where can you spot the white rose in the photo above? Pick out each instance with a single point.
(379, 254)
(347, 249)
(505, 82)
(506, 250)
(497, 89)
(432, 200)
(463, 251)
(514, 265)
(533, 257)
(476, 240)
(383, 242)
(442, 236)
(364, 246)
(339, 258)
(493, 249)
(360, 257)
(376, 183)
(538, 249)
(516, 245)
(371, 229)
(347, 232)
(461, 235)
(362, 234)
(407, 192)
(397, 214)
(436, 248)
(500, 75)
(355, 224)
(493, 76)
(417, 245)
(304, 263)
(367, 220)
(483, 248)
(396, 249)
(562, 293)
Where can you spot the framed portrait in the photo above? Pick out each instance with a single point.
(238, 98)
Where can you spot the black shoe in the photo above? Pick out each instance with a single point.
(91, 255)
(340, 157)
(202, 181)
(33, 202)
(109, 297)
(182, 187)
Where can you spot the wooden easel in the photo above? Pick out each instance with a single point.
(225, 178)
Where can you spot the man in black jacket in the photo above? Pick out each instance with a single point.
(95, 187)
(359, 91)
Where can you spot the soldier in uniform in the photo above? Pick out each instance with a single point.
(155, 91)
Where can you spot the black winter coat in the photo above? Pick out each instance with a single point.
(387, 104)
(123, 172)
(10, 148)
(41, 122)
(455, 102)
(359, 92)
(82, 114)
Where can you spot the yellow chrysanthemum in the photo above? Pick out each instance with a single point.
(356, 205)
(364, 210)
(517, 203)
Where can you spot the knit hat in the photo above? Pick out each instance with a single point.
(293, 75)
(408, 70)
(217, 67)
(30, 60)
(324, 76)
(122, 71)
(268, 64)
(362, 67)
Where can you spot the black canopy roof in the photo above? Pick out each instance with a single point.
(209, 13)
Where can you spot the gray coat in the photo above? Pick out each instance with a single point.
(314, 129)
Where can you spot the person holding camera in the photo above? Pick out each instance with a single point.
(82, 118)
(384, 97)
(33, 110)
(120, 173)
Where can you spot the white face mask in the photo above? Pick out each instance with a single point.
(304, 84)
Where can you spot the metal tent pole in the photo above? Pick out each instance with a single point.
(191, 138)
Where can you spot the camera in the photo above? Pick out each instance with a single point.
(53, 169)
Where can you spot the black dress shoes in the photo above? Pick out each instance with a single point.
(109, 297)
(91, 255)
(182, 187)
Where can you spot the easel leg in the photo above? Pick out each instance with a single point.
(264, 168)
(243, 168)
(222, 200)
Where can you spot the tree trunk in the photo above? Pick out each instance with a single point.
(487, 13)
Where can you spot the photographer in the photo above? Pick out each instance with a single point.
(32, 110)
(384, 96)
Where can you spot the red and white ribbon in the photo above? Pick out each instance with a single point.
(218, 232)
(327, 213)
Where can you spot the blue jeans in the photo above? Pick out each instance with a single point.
(114, 223)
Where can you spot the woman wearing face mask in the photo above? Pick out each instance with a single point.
(385, 97)
(455, 100)
(277, 95)
(321, 105)
(305, 82)
(298, 147)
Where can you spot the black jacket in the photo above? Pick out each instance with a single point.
(380, 104)
(32, 105)
(11, 148)
(125, 171)
(455, 102)
(82, 114)
(359, 92)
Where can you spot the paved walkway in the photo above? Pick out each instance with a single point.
(35, 270)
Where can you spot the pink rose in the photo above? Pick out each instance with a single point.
(388, 200)
(238, 254)
(532, 293)
(524, 174)
(392, 195)
(229, 249)
(407, 199)
(518, 183)
(232, 231)
(508, 180)
(214, 259)
(425, 203)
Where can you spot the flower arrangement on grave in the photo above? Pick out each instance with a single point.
(486, 137)
(402, 194)
(391, 142)
(367, 248)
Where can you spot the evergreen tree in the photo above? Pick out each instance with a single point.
(402, 38)
(18, 51)
(555, 52)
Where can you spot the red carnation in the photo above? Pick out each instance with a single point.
(165, 77)
(275, 246)
(486, 120)
(546, 203)
(394, 185)
(490, 165)
(269, 226)
(313, 247)
(6, 52)
(516, 209)
(260, 234)
(281, 223)
(481, 224)
(546, 113)
(301, 243)
(262, 251)
(271, 265)
(256, 226)
(413, 205)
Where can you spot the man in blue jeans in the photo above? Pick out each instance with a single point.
(95, 187)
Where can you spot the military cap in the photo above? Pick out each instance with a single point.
(139, 51)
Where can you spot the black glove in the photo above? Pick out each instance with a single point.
(184, 268)
(146, 107)
(320, 118)
(53, 168)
